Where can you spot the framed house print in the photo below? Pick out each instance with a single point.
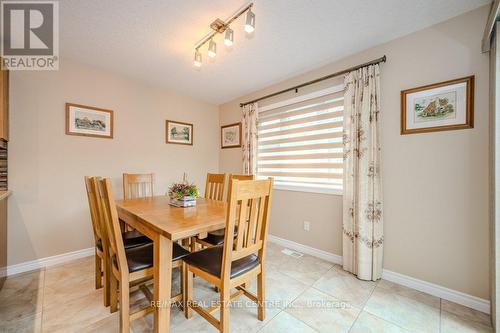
(441, 106)
(179, 133)
(89, 121)
(230, 136)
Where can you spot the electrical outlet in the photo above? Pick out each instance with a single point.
(307, 226)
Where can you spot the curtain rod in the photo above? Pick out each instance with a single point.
(373, 62)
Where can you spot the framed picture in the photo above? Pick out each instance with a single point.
(89, 121)
(179, 133)
(230, 136)
(438, 107)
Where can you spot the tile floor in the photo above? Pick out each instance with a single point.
(304, 294)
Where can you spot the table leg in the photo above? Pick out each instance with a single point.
(162, 283)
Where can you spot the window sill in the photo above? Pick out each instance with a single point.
(309, 189)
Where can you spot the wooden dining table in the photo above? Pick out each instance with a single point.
(165, 224)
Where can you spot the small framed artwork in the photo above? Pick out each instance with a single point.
(179, 133)
(441, 106)
(230, 136)
(89, 121)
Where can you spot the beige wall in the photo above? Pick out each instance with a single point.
(48, 213)
(435, 184)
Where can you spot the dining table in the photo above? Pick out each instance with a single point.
(164, 224)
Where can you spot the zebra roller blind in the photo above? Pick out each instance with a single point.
(300, 144)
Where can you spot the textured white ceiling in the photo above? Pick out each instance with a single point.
(152, 40)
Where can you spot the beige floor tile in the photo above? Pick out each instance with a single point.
(411, 314)
(280, 289)
(306, 269)
(465, 312)
(75, 268)
(242, 320)
(73, 315)
(68, 289)
(145, 324)
(322, 312)
(26, 324)
(22, 295)
(367, 323)
(451, 323)
(243, 316)
(410, 293)
(274, 257)
(106, 325)
(284, 322)
(345, 286)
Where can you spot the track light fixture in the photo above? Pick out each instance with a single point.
(250, 22)
(212, 49)
(218, 26)
(229, 37)
(197, 58)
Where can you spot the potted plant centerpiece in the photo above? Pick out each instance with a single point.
(183, 194)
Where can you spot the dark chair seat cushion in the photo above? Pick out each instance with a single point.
(217, 237)
(130, 239)
(141, 257)
(210, 260)
(134, 238)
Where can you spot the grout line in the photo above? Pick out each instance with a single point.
(43, 298)
(440, 313)
(291, 314)
(355, 320)
(363, 307)
(364, 304)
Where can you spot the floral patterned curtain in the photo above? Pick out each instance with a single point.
(249, 144)
(363, 235)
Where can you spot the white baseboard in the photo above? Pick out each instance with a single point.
(47, 262)
(455, 296)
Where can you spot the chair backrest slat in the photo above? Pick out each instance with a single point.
(92, 198)
(252, 222)
(138, 185)
(110, 219)
(248, 209)
(241, 222)
(214, 187)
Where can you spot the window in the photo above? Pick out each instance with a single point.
(300, 142)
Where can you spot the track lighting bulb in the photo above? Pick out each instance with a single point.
(197, 58)
(212, 49)
(250, 22)
(229, 37)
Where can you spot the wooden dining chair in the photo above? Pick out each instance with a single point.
(217, 237)
(238, 260)
(214, 187)
(214, 190)
(130, 239)
(138, 185)
(130, 269)
(96, 228)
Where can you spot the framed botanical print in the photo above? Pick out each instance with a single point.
(230, 136)
(179, 133)
(89, 121)
(441, 106)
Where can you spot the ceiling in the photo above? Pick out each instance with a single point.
(153, 40)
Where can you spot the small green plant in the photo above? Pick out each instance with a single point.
(181, 190)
